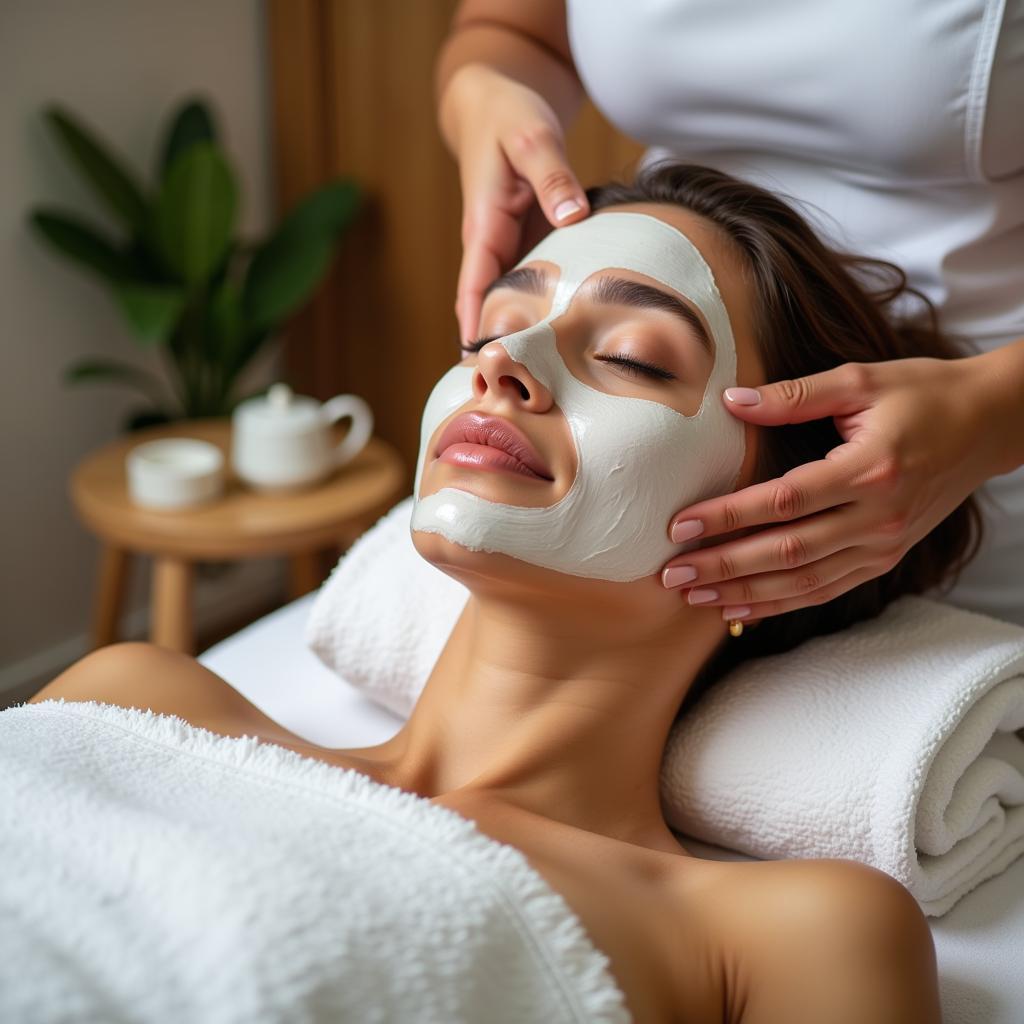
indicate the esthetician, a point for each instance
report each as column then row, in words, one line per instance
column 897, row 131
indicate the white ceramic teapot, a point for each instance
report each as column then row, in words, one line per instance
column 281, row 440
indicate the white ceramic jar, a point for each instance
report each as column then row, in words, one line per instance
column 174, row 472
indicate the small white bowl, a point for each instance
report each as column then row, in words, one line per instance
column 174, row 472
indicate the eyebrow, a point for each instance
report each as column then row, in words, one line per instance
column 620, row 292
column 611, row 291
column 522, row 279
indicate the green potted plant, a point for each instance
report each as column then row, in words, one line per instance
column 185, row 283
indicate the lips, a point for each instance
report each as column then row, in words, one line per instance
column 474, row 428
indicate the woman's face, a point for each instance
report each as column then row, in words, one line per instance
column 604, row 353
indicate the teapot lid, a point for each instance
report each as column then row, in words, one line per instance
column 280, row 411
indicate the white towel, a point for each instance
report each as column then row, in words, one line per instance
column 890, row 743
column 153, row 871
column 383, row 616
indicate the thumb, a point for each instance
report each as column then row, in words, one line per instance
column 539, row 157
column 834, row 392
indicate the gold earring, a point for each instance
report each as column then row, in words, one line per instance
column 735, row 627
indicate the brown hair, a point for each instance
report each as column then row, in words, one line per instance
column 815, row 308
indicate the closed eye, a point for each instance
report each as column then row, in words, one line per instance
column 475, row 346
column 632, row 366
column 636, row 368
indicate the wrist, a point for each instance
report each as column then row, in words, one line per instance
column 500, row 55
column 999, row 377
column 466, row 84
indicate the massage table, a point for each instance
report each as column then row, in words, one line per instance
column 979, row 943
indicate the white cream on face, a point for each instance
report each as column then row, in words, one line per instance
column 639, row 461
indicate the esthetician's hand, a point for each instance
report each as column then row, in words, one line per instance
column 515, row 178
column 920, row 435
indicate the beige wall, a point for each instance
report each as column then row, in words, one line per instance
column 120, row 65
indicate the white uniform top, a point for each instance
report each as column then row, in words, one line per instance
column 899, row 129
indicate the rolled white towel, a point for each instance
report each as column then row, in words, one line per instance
column 890, row 743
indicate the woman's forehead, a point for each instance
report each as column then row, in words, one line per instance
column 632, row 238
column 631, row 241
column 667, row 243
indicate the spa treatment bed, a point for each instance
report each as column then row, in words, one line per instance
column 979, row 943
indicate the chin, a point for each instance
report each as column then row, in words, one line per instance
column 478, row 570
column 489, row 573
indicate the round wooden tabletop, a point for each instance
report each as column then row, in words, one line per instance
column 242, row 522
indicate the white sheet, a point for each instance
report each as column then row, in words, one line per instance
column 979, row 943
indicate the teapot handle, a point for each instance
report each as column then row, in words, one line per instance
column 359, row 433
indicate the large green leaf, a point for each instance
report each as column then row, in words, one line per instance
column 82, row 243
column 112, row 182
column 153, row 310
column 191, row 124
column 195, row 212
column 101, row 370
column 282, row 275
column 249, row 345
column 287, row 268
column 330, row 208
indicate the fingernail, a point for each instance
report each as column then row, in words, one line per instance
column 676, row 574
column 700, row 596
column 566, row 208
column 743, row 396
column 741, row 611
column 686, row 530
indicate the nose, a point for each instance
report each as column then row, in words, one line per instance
column 499, row 376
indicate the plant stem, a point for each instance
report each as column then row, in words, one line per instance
column 174, row 373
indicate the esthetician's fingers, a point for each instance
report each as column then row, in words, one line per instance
column 842, row 393
column 753, row 615
column 762, row 588
column 535, row 171
column 536, row 152
column 489, row 246
column 910, row 456
column 839, row 391
column 792, row 546
column 495, row 202
column 803, row 490
column 511, row 154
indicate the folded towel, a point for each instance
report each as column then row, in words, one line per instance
column 154, row 871
column 383, row 616
column 890, row 743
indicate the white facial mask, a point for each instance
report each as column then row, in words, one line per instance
column 639, row 462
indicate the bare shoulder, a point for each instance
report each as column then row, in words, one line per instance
column 813, row 940
column 144, row 676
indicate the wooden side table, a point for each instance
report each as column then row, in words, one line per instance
column 241, row 524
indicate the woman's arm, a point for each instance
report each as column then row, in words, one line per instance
column 527, row 42
column 1002, row 370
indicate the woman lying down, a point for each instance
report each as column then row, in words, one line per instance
column 504, row 857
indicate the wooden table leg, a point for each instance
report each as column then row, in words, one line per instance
column 114, row 563
column 305, row 573
column 171, row 604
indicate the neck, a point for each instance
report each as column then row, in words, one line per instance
column 564, row 711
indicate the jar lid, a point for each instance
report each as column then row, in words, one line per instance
column 280, row 411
